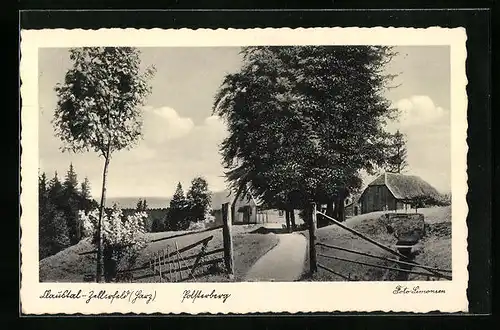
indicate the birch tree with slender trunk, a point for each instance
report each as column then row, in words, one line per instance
column 99, row 108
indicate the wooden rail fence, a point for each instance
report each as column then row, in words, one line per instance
column 403, row 265
column 172, row 265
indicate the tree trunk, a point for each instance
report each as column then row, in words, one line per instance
column 110, row 265
column 292, row 219
column 341, row 209
column 99, row 269
column 313, row 265
column 335, row 211
column 287, row 217
column 227, row 239
column 329, row 208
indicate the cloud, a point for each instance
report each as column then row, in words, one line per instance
column 153, row 169
column 427, row 130
column 136, row 154
column 213, row 128
column 164, row 123
column 419, row 110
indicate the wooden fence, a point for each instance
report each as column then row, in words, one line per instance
column 174, row 264
column 403, row 266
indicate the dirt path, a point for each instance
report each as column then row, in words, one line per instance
column 283, row 263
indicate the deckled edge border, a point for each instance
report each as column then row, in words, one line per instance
column 254, row 30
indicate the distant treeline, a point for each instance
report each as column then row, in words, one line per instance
column 183, row 211
column 155, row 220
column 60, row 202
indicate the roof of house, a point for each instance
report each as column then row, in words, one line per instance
column 249, row 196
column 258, row 201
column 405, row 186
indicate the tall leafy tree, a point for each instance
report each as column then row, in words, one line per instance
column 397, row 153
column 177, row 217
column 199, row 198
column 99, row 108
column 304, row 121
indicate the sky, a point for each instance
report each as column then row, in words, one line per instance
column 181, row 137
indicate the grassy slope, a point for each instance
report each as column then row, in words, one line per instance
column 69, row 266
column 436, row 246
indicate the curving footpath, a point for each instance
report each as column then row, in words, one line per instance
column 283, row 263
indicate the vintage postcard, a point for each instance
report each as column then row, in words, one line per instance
column 243, row 171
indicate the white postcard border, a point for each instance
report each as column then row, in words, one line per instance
column 245, row 297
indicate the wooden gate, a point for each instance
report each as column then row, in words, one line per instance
column 404, row 264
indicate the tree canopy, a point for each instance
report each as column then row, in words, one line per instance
column 98, row 105
column 304, row 121
column 199, row 198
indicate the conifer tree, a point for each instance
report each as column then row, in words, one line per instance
column 71, row 180
column 43, row 216
column 42, row 186
column 397, row 153
column 53, row 229
column 72, row 204
column 177, row 218
column 86, row 201
column 138, row 207
column 55, row 191
column 59, row 233
column 85, row 189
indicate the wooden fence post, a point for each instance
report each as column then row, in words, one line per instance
column 228, row 241
column 312, row 240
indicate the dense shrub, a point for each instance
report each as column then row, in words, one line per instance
column 123, row 237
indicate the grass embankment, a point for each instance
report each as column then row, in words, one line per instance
column 70, row 266
column 435, row 247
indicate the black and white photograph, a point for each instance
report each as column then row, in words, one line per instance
column 252, row 163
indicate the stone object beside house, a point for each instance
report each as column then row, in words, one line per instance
column 407, row 228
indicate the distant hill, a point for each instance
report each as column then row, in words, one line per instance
column 218, row 198
column 131, row 202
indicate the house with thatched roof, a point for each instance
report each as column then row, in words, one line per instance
column 393, row 191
